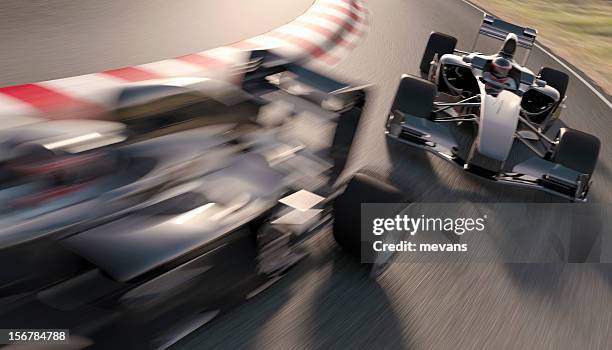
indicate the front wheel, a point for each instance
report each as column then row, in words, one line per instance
column 577, row 150
column 415, row 97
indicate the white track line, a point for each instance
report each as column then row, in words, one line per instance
column 560, row 62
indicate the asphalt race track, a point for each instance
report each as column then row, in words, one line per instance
column 328, row 301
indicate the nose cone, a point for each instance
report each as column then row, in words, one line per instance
column 498, row 121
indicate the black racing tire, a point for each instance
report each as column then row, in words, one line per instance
column 557, row 79
column 440, row 44
column 361, row 188
column 577, row 150
column 415, row 97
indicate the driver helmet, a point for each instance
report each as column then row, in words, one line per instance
column 500, row 67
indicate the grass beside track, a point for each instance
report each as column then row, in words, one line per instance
column 580, row 31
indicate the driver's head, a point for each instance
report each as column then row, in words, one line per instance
column 500, row 67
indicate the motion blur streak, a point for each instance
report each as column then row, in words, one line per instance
column 47, row 101
column 88, row 96
column 131, row 74
column 173, row 213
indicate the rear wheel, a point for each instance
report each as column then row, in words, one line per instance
column 362, row 188
column 440, row 44
column 577, row 150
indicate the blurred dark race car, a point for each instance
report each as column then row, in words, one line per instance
column 198, row 199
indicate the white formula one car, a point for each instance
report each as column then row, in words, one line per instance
column 472, row 107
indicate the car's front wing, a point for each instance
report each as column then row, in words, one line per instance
column 534, row 172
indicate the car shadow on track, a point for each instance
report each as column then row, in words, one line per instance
column 414, row 172
column 353, row 311
column 326, row 301
column 606, row 271
column 240, row 327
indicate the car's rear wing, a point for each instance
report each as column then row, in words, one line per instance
column 265, row 67
column 338, row 102
column 498, row 29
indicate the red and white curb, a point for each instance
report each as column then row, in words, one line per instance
column 320, row 37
